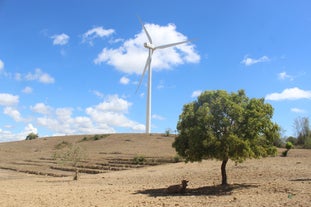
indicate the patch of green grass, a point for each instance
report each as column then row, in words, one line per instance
column 95, row 137
column 62, row 145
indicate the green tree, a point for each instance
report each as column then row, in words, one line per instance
column 224, row 126
column 303, row 131
column 31, row 136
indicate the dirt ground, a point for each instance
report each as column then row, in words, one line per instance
column 273, row 181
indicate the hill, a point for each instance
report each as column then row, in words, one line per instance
column 135, row 170
column 101, row 153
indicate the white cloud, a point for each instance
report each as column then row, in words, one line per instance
column 284, row 75
column 112, row 112
column 114, row 103
column 8, row 99
column 289, row 94
column 196, row 93
column 124, row 80
column 96, row 32
column 6, row 135
column 41, row 108
column 1, row 65
column 297, row 110
column 13, row 113
column 101, row 118
column 27, row 90
column 131, row 56
column 30, row 129
column 60, row 39
column 40, row 76
column 250, row 61
column 98, row 93
column 158, row 117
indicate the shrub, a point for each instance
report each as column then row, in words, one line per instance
column 32, row 136
column 139, row 160
column 289, row 145
column 94, row 138
column 62, row 145
column 167, row 132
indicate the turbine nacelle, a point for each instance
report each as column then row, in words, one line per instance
column 149, row 46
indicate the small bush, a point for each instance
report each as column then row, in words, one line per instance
column 62, row 145
column 289, row 145
column 167, row 132
column 32, row 136
column 139, row 160
column 177, row 158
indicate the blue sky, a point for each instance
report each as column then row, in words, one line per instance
column 72, row 67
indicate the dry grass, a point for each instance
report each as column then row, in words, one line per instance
column 110, row 178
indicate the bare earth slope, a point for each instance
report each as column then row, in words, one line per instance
column 274, row 181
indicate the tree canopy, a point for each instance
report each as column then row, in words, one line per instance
column 221, row 125
column 32, row 136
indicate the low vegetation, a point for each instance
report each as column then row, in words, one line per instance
column 94, row 138
column 288, row 146
column 139, row 160
column 70, row 155
column 32, row 136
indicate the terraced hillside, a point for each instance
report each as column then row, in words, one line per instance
column 99, row 153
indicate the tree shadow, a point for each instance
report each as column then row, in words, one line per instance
column 217, row 190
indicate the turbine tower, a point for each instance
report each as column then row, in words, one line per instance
column 149, row 45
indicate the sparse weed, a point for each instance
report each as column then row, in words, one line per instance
column 94, row 138
column 139, row 160
column 62, row 145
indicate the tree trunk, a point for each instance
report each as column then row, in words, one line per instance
column 223, row 172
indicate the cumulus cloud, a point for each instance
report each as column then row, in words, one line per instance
column 131, row 56
column 124, row 80
column 13, row 113
column 96, row 32
column 41, row 108
column 196, row 93
column 27, row 90
column 7, row 135
column 30, row 129
column 247, row 61
column 8, row 99
column 1, row 65
column 60, row 39
column 40, row 76
column 112, row 112
column 101, row 118
column 289, row 94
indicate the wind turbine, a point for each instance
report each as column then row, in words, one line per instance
column 149, row 45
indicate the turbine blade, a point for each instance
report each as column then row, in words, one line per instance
column 171, row 45
column 147, row 65
column 142, row 24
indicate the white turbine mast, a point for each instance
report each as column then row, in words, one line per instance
column 149, row 45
